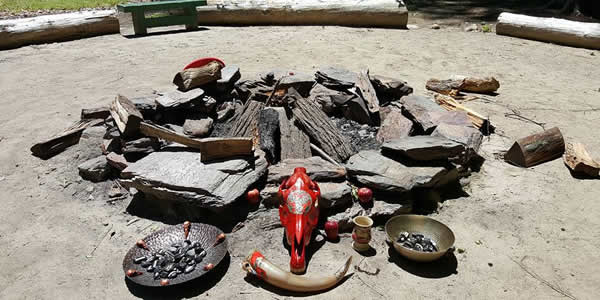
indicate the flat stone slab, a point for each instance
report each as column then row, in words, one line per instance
column 181, row 176
column 176, row 98
column 424, row 147
column 333, row 194
column 317, row 168
column 423, row 111
column 379, row 172
column 95, row 169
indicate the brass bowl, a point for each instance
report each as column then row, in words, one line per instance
column 438, row 232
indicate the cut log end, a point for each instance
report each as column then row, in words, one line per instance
column 536, row 149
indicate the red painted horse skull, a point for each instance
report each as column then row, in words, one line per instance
column 299, row 214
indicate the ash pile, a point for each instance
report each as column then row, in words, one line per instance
column 206, row 143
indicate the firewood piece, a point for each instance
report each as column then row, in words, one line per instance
column 394, row 124
column 368, row 91
column 292, row 141
column 126, row 116
column 62, row 141
column 449, row 103
column 176, row 98
column 446, row 86
column 211, row 148
column 537, row 148
column 579, row 160
column 315, row 123
column 95, row 113
column 565, row 32
column 246, row 124
column 195, row 77
column 268, row 125
column 485, row 85
column 389, row 89
column 423, row 111
column 117, row 161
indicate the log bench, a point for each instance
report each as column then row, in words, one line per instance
column 141, row 23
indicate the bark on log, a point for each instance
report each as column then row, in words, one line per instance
column 56, row 28
column 446, row 87
column 579, row 160
column 355, row 13
column 95, row 113
column 485, row 85
column 368, row 91
column 195, row 77
column 126, row 116
column 246, row 124
column 452, row 87
column 211, row 148
column 536, row 149
column 293, row 143
column 559, row 31
column 315, row 123
column 62, row 141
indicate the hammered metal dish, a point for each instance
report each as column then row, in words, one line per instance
column 437, row 231
column 205, row 234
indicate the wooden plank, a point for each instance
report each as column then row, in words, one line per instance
column 477, row 119
column 63, row 140
column 315, row 123
column 126, row 116
column 368, row 91
column 537, row 148
column 559, row 31
column 580, row 161
column 211, row 148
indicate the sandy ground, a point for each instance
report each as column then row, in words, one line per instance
column 527, row 233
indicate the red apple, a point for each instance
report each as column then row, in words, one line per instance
column 365, row 195
column 253, row 196
column 331, row 229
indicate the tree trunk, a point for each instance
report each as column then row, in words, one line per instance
column 571, row 33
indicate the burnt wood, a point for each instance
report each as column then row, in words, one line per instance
column 537, row 148
column 315, row 123
column 268, row 126
column 246, row 124
column 293, row 143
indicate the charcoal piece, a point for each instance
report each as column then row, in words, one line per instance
column 268, row 132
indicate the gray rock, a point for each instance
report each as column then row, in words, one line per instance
column 394, row 124
column 198, row 128
column 336, row 77
column 181, row 176
column 176, row 98
column 390, row 89
column 468, row 136
column 324, row 96
column 378, row 172
column 225, row 111
column 229, row 76
column 143, row 145
column 146, row 105
column 300, row 81
column 95, row 169
column 423, row 111
column 380, row 210
column 334, row 194
column 424, row 147
column 435, row 26
column 317, row 168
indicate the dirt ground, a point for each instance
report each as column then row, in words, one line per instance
column 526, row 233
